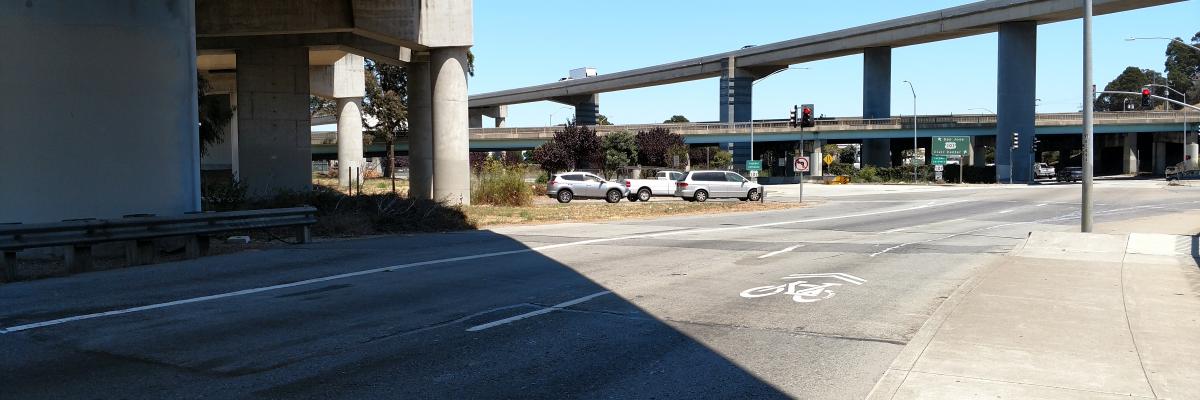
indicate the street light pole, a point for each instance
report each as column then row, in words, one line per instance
column 1085, row 219
column 1163, row 38
column 914, row 150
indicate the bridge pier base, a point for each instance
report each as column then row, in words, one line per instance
column 274, row 138
column 1129, row 159
column 451, row 147
column 420, row 129
column 1015, row 96
column 877, row 102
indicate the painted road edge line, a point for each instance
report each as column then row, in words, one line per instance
column 392, row 268
column 555, row 307
column 775, row 253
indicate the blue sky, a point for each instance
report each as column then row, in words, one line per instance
column 527, row 42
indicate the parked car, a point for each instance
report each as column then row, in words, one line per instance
column 1174, row 175
column 704, row 185
column 1070, row 174
column 1043, row 170
column 663, row 184
column 570, row 185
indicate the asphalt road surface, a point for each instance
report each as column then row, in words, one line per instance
column 804, row 303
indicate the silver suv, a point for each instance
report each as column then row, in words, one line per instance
column 570, row 185
column 704, row 185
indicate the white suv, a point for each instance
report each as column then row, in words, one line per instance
column 704, row 185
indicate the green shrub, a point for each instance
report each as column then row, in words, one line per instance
column 223, row 195
column 339, row 214
column 866, row 174
column 502, row 186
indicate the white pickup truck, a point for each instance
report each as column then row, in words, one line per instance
column 663, row 184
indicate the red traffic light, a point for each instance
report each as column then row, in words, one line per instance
column 1145, row 92
column 807, row 111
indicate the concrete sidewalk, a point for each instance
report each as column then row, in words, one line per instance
column 1067, row 316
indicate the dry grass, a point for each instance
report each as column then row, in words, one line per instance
column 486, row 216
column 369, row 185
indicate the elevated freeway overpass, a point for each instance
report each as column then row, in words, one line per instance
column 1141, row 135
column 1015, row 21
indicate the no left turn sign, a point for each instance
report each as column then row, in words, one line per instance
column 801, row 164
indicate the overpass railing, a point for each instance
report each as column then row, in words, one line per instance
column 825, row 125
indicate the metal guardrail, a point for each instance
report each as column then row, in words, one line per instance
column 823, row 125
column 78, row 236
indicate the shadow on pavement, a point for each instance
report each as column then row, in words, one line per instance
column 405, row 333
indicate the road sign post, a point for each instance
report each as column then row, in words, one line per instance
column 754, row 165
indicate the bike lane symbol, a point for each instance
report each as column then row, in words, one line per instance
column 802, row 289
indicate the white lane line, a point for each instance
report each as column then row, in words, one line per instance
column 244, row 292
column 555, row 307
column 1041, row 205
column 1005, row 212
column 775, row 253
column 897, row 230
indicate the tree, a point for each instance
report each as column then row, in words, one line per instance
column 386, row 101
column 1130, row 80
column 654, row 144
column 721, row 160
column 214, row 116
column 582, row 145
column 321, row 107
column 677, row 119
column 1183, row 69
column 620, row 149
column 552, row 157
column 601, row 119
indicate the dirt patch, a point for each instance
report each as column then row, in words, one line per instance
column 551, row 213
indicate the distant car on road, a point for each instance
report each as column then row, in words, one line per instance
column 570, row 185
column 704, row 185
column 1043, row 170
column 663, row 184
column 1070, row 174
column 1176, row 175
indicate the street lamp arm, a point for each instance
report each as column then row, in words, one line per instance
column 1178, row 103
column 1164, row 38
column 1168, row 88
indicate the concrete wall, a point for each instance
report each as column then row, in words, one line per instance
column 98, row 112
column 274, row 137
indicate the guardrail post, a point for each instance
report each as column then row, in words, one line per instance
column 9, row 265
column 78, row 258
column 197, row 246
column 303, row 234
column 140, row 252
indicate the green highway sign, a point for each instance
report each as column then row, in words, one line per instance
column 939, row 160
column 951, row 145
column 754, row 165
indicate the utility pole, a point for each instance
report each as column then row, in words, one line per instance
column 914, row 150
column 1085, row 218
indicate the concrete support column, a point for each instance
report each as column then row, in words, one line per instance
column 877, row 101
column 98, row 114
column 1129, row 159
column 420, row 130
column 349, row 139
column 1160, row 155
column 587, row 111
column 451, row 151
column 274, row 138
column 476, row 117
column 1015, row 96
column 736, row 90
column 815, row 164
column 1191, row 152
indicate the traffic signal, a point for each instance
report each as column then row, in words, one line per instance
column 1146, row 99
column 1016, row 140
column 1036, row 142
column 806, row 116
column 792, row 122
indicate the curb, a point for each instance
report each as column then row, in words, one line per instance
column 895, row 375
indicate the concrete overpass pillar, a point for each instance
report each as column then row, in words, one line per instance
column 587, row 111
column 737, row 87
column 98, row 115
column 1160, row 155
column 1192, row 149
column 274, row 138
column 451, row 151
column 498, row 113
column 420, row 130
column 350, row 139
column 877, row 101
column 814, row 161
column 1015, row 95
column 1129, row 159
